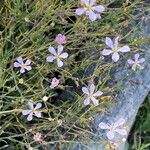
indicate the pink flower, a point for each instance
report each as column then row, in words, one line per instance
column 60, row 39
column 37, row 137
column 98, row 16
column 58, row 55
column 32, row 111
column 23, row 66
column 135, row 63
column 54, row 83
column 91, row 94
column 114, row 128
column 90, row 9
column 114, row 49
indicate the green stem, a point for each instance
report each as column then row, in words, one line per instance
column 10, row 111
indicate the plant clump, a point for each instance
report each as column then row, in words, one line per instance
column 54, row 73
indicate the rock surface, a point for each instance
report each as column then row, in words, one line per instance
column 136, row 87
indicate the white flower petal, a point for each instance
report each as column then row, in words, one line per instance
column 136, row 56
column 98, row 93
column 59, row 63
column 109, row 42
column 30, row 103
column 134, row 67
column 86, row 101
column 110, row 135
column 130, row 61
column 52, row 50
column 99, row 8
column 141, row 60
column 124, row 49
column 86, row 2
column 103, row 125
column 60, row 49
column 115, row 57
column 119, row 122
column 22, row 70
column 64, row 55
column 106, row 52
column 16, row 64
column 28, row 62
column 80, row 11
column 38, row 105
column 121, row 131
column 26, row 112
column 38, row 114
column 91, row 14
column 95, row 101
column 50, row 58
column 116, row 42
column 92, row 2
column 141, row 67
column 30, row 116
column 28, row 68
column 92, row 88
column 85, row 90
column 20, row 60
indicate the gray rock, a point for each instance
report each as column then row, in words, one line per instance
column 136, row 87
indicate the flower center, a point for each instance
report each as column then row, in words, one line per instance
column 23, row 65
column 33, row 110
column 61, row 39
column 90, row 95
column 136, row 62
column 112, row 128
column 114, row 49
column 57, row 56
column 89, row 7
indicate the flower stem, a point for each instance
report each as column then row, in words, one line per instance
column 10, row 111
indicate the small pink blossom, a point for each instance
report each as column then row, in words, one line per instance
column 60, row 39
column 113, row 128
column 98, row 16
column 135, row 63
column 23, row 66
column 90, row 9
column 38, row 137
column 58, row 55
column 32, row 111
column 91, row 94
column 54, row 83
column 114, row 49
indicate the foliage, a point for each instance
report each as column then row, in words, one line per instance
column 27, row 29
column 140, row 137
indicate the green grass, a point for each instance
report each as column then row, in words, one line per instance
column 140, row 134
column 27, row 29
